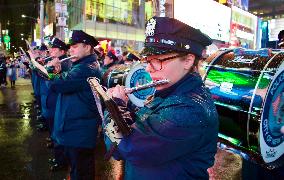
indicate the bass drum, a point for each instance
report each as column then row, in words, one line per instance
column 130, row 76
column 248, row 89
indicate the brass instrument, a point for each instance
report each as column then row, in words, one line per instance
column 111, row 106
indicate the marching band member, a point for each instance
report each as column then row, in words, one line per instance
column 76, row 115
column 109, row 61
column 174, row 136
column 58, row 50
column 39, row 53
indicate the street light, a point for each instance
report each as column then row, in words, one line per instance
column 25, row 16
column 32, row 25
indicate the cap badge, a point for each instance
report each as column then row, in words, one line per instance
column 150, row 28
column 187, row 46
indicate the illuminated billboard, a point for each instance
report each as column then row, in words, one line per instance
column 112, row 10
column 243, row 28
column 274, row 27
column 209, row 16
column 243, row 4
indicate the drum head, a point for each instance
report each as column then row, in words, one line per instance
column 138, row 76
column 272, row 120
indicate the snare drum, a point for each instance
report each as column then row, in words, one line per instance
column 248, row 89
column 130, row 76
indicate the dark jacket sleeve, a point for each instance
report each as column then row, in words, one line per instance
column 73, row 81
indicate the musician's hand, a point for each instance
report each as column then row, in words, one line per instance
column 57, row 68
column 40, row 61
column 118, row 92
column 54, row 62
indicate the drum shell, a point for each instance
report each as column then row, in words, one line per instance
column 240, row 103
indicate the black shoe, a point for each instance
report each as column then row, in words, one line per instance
column 48, row 139
column 57, row 167
column 40, row 118
column 41, row 127
column 52, row 161
column 49, row 145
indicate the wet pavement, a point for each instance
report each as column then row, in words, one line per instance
column 23, row 152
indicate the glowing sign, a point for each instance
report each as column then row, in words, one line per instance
column 208, row 20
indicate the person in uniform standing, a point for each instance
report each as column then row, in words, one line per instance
column 58, row 50
column 76, row 115
column 109, row 61
column 174, row 136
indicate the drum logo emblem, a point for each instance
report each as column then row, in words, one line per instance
column 273, row 114
column 140, row 77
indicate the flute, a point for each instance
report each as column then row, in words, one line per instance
column 71, row 57
column 146, row 86
column 45, row 58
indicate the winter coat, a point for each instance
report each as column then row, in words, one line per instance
column 76, row 114
column 174, row 136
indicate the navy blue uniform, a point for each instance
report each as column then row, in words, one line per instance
column 76, row 115
column 174, row 136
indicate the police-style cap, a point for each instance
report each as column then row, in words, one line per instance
column 42, row 47
column 57, row 43
column 112, row 55
column 281, row 38
column 132, row 57
column 79, row 36
column 165, row 35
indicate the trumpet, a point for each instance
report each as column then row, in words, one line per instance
column 146, row 86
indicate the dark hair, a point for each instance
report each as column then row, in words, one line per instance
column 281, row 35
column 124, row 53
column 195, row 62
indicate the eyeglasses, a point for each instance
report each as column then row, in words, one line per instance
column 157, row 63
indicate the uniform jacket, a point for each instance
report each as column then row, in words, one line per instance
column 76, row 115
column 49, row 97
column 174, row 136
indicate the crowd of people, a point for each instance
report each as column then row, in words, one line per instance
column 173, row 136
column 11, row 69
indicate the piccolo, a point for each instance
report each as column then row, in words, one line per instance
column 71, row 57
column 45, row 58
column 146, row 86
column 61, row 60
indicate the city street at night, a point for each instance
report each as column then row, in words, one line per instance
column 141, row 89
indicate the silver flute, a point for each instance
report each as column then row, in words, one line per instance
column 71, row 57
column 61, row 60
column 45, row 58
column 146, row 86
